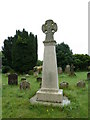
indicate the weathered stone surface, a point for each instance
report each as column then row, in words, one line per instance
column 49, row 28
column 13, row 79
column 24, row 85
column 88, row 76
column 81, row 84
column 56, row 97
column 64, row 84
column 64, row 102
column 49, row 90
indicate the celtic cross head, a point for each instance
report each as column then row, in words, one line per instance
column 49, row 28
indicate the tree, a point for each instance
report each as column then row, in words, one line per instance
column 81, row 61
column 6, row 51
column 22, row 51
column 64, row 55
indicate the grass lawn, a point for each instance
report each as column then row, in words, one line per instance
column 0, row 96
column 15, row 102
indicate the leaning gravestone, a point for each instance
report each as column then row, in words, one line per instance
column 13, row 79
column 67, row 69
column 88, row 76
column 24, row 84
column 49, row 91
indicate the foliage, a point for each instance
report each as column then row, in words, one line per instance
column 6, row 50
column 81, row 61
column 30, row 72
column 64, row 55
column 20, row 51
column 39, row 63
column 16, row 102
column 5, row 69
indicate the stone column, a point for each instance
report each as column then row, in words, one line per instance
column 50, row 90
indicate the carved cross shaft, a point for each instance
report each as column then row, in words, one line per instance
column 49, row 28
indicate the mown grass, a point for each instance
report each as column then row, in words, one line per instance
column 16, row 102
column 0, row 95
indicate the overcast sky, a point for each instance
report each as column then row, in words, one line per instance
column 71, row 17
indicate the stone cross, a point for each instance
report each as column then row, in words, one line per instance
column 49, row 28
column 49, row 91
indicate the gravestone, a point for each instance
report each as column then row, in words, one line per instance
column 13, row 79
column 67, row 69
column 49, row 91
column 64, row 84
column 36, row 74
column 72, row 70
column 24, row 85
column 88, row 76
column 81, row 84
column 60, row 70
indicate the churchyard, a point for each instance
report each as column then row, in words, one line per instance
column 16, row 102
column 47, row 91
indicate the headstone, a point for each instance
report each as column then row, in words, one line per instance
column 13, row 79
column 67, row 69
column 64, row 84
column 60, row 70
column 38, row 69
column 81, row 84
column 88, row 76
column 39, row 79
column 72, row 70
column 24, row 85
column 36, row 74
column 49, row 91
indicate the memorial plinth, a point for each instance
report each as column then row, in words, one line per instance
column 49, row 91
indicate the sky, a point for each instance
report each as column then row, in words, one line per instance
column 71, row 17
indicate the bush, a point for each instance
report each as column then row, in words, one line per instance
column 39, row 63
column 5, row 69
column 30, row 72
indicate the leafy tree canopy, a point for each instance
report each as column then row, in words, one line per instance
column 64, row 55
column 20, row 51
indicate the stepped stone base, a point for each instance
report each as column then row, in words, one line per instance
column 34, row 101
column 50, row 96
